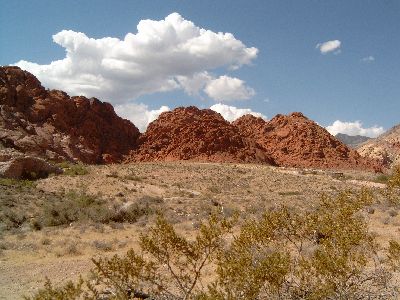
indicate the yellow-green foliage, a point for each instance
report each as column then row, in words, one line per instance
column 68, row 291
column 325, row 253
column 394, row 180
column 73, row 169
column 392, row 193
column 20, row 183
column 288, row 254
column 394, row 254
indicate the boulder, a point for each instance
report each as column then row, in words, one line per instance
column 16, row 165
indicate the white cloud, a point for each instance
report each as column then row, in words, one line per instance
column 354, row 128
column 193, row 84
column 329, row 46
column 227, row 88
column 231, row 113
column 139, row 114
column 162, row 56
column 368, row 59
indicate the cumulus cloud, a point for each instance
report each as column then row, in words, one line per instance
column 368, row 59
column 227, row 88
column 163, row 55
column 139, row 114
column 231, row 113
column 354, row 128
column 329, row 46
column 192, row 85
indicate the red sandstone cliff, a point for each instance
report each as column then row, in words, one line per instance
column 53, row 125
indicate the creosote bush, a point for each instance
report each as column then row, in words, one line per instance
column 324, row 253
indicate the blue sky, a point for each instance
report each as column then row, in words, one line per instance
column 287, row 74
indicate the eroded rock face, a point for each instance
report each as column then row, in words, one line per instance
column 193, row 134
column 296, row 141
column 385, row 148
column 16, row 165
column 52, row 125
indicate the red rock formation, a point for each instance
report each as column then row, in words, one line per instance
column 193, row 134
column 53, row 125
column 296, row 141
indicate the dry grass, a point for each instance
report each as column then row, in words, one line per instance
column 186, row 193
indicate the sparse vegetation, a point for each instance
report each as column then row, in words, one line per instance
column 382, row 178
column 290, row 193
column 17, row 183
column 325, row 253
column 186, row 202
column 392, row 193
column 80, row 207
column 49, row 210
column 72, row 169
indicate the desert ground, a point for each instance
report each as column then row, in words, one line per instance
column 184, row 192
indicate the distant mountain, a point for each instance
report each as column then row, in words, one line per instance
column 385, row 147
column 353, row 141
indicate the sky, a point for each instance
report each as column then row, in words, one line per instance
column 337, row 62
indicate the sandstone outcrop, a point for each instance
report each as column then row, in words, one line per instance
column 16, row 165
column 196, row 134
column 296, row 141
column 53, row 125
column 385, row 148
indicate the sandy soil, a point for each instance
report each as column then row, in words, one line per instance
column 189, row 192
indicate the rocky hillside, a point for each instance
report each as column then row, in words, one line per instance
column 55, row 126
column 52, row 125
column 196, row 134
column 353, row 141
column 296, row 141
column 386, row 147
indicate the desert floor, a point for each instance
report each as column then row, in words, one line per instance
column 186, row 193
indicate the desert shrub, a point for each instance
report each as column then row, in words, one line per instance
column 19, row 183
column 382, row 178
column 72, row 169
column 66, row 292
column 394, row 255
column 102, row 245
column 12, row 218
column 131, row 214
column 81, row 207
column 394, row 179
column 392, row 193
column 324, row 253
column 321, row 255
column 144, row 206
column 74, row 207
